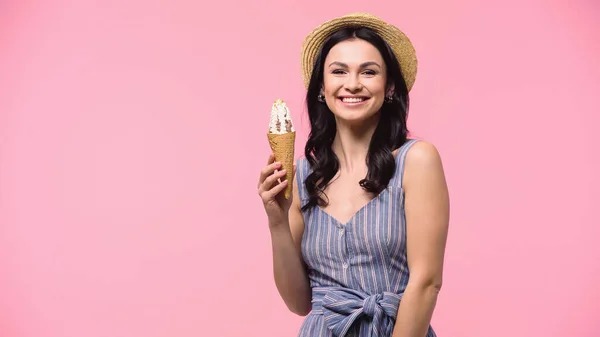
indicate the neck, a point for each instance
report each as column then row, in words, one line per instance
column 351, row 143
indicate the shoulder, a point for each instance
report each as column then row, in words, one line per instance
column 423, row 153
column 423, row 161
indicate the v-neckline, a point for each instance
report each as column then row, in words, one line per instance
column 355, row 214
column 368, row 203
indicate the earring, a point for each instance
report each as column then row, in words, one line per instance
column 321, row 98
column 389, row 99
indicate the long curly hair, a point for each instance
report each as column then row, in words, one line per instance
column 390, row 133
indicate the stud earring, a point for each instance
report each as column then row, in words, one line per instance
column 321, row 98
column 389, row 99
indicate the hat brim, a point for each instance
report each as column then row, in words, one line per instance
column 399, row 43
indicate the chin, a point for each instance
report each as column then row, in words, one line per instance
column 355, row 117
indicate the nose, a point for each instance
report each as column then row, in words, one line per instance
column 353, row 84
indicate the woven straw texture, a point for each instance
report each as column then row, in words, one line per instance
column 398, row 41
column 282, row 146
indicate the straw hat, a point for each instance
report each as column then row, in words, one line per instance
column 400, row 44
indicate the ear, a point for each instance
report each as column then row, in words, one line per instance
column 391, row 90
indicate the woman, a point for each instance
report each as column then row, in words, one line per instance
column 359, row 247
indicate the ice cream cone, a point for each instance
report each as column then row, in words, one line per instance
column 282, row 146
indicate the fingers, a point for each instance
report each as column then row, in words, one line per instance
column 273, row 192
column 271, row 159
column 271, row 180
column 268, row 170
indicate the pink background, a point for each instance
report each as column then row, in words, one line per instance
column 128, row 202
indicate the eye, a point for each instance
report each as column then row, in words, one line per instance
column 370, row 72
column 338, row 72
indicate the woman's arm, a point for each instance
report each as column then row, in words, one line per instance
column 426, row 205
column 289, row 270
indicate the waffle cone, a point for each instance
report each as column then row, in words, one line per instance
column 282, row 146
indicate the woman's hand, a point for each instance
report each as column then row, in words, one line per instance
column 271, row 186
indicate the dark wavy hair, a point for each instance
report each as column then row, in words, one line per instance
column 390, row 133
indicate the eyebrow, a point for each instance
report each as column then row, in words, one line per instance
column 363, row 65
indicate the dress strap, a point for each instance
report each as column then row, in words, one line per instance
column 301, row 174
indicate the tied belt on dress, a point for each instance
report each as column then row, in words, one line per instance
column 341, row 307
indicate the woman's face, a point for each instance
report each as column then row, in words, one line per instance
column 354, row 83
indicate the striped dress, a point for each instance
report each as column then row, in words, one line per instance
column 358, row 270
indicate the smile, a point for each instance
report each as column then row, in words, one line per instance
column 353, row 100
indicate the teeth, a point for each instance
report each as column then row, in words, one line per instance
column 352, row 99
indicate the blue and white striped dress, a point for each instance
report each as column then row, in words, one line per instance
column 358, row 270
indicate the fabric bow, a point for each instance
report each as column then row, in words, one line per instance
column 342, row 307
